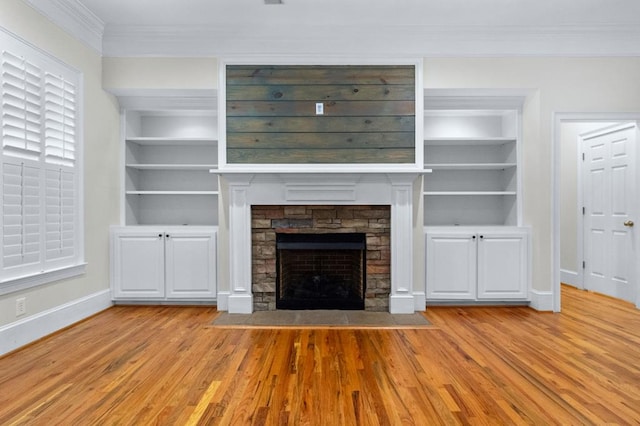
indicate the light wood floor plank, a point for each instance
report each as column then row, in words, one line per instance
column 477, row 365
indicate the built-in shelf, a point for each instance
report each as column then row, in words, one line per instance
column 171, row 141
column 172, row 192
column 470, row 193
column 168, row 156
column 172, row 166
column 471, row 166
column 474, row 158
column 437, row 141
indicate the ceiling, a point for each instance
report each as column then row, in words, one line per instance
column 353, row 27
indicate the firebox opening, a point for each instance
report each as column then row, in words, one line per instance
column 320, row 271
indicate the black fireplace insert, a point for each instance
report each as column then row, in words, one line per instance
column 320, row 271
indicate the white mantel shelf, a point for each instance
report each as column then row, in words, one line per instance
column 393, row 187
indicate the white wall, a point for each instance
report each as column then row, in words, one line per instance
column 558, row 85
column 101, row 156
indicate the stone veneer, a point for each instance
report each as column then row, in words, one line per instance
column 373, row 220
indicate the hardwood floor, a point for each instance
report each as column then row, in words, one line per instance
column 168, row 366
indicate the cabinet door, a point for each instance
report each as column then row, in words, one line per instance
column 451, row 266
column 502, row 266
column 191, row 264
column 138, row 264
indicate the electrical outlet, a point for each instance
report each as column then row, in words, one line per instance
column 319, row 108
column 21, row 306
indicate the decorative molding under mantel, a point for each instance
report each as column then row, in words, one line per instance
column 75, row 18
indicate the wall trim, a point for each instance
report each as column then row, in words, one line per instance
column 73, row 17
column 30, row 329
column 541, row 300
column 443, row 41
column 571, row 278
column 420, row 301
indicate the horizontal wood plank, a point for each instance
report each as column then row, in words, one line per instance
column 320, row 124
column 340, row 75
column 321, row 140
column 308, row 108
column 272, row 110
column 320, row 156
column 354, row 92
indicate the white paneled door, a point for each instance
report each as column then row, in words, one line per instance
column 611, row 208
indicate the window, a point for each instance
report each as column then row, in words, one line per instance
column 41, row 230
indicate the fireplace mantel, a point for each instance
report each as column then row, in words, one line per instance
column 383, row 188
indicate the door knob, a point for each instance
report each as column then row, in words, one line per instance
column 628, row 223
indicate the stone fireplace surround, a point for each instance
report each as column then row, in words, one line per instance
column 393, row 189
column 374, row 221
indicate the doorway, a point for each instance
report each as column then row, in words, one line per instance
column 571, row 246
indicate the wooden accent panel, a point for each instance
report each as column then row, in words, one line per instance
column 162, row 365
column 369, row 114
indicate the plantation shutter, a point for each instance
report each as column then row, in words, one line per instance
column 21, row 149
column 60, row 139
column 21, row 108
column 41, row 203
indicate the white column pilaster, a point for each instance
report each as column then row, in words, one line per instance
column 401, row 300
column 240, row 300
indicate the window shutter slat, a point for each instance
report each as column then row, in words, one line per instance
column 20, row 214
column 59, row 223
column 60, row 123
column 21, row 107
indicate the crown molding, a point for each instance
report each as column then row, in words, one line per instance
column 424, row 41
column 74, row 18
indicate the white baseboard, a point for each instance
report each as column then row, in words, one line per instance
column 420, row 301
column 570, row 277
column 30, row 329
column 401, row 304
column 223, row 300
column 541, row 300
column 240, row 303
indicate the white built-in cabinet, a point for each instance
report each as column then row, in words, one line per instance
column 165, row 249
column 476, row 248
column 477, row 264
column 163, row 263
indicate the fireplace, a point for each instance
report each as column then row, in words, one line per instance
column 320, row 271
column 262, row 205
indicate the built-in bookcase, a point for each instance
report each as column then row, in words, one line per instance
column 169, row 156
column 473, row 155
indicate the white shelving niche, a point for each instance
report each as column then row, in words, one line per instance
column 473, row 154
column 477, row 250
column 168, row 156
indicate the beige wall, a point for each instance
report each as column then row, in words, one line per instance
column 555, row 84
column 101, row 167
column 559, row 85
column 124, row 75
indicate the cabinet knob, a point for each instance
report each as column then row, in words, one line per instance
column 481, row 237
column 628, row 223
column 160, row 235
column 473, row 238
column 167, row 235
